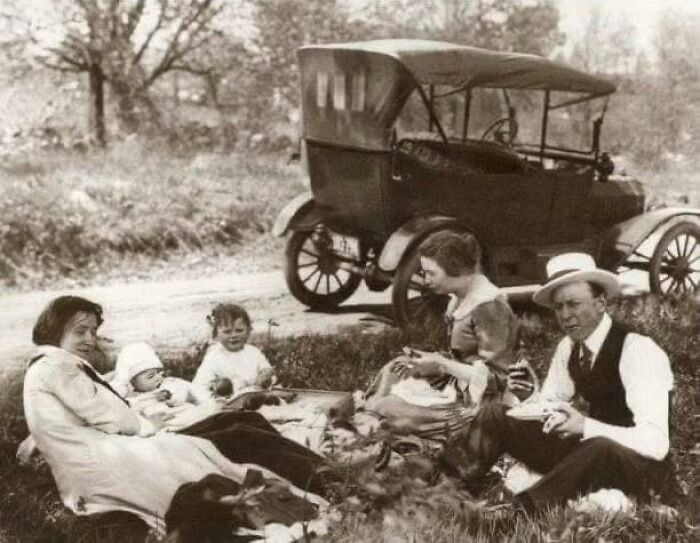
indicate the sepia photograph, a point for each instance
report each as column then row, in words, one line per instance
column 349, row 271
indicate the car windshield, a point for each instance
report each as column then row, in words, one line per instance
column 568, row 127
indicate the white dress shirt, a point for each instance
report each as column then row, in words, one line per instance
column 646, row 376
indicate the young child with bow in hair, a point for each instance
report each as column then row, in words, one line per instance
column 231, row 365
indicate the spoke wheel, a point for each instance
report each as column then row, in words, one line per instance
column 414, row 304
column 314, row 275
column 675, row 264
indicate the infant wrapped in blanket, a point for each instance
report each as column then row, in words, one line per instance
column 139, row 377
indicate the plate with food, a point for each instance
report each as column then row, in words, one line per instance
column 533, row 410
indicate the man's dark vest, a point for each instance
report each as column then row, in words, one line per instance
column 602, row 386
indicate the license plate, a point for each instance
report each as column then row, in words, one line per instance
column 346, row 246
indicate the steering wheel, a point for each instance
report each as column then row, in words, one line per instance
column 503, row 131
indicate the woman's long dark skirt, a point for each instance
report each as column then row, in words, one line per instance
column 246, row 437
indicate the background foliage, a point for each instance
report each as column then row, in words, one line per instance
column 228, row 68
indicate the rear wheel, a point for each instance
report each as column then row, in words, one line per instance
column 414, row 304
column 675, row 264
column 313, row 271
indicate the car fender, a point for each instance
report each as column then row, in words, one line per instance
column 620, row 241
column 407, row 235
column 299, row 214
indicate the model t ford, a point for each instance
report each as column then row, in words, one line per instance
column 405, row 138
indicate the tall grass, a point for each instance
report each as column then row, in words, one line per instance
column 393, row 506
column 66, row 214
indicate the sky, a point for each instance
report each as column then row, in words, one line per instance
column 642, row 14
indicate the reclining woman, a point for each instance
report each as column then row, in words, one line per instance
column 482, row 335
column 104, row 456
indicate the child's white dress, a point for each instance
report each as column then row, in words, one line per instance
column 242, row 367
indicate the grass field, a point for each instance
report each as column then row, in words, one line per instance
column 395, row 507
column 68, row 216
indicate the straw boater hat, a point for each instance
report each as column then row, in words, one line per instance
column 570, row 267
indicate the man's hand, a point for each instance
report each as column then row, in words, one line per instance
column 565, row 422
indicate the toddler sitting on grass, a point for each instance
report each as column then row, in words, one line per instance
column 139, row 377
column 232, row 366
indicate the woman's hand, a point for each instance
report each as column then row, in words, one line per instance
column 163, row 395
column 159, row 420
column 108, row 348
column 419, row 364
column 522, row 380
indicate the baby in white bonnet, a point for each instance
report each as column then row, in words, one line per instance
column 139, row 377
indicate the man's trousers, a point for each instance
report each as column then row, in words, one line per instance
column 571, row 467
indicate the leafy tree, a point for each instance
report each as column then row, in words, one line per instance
column 281, row 28
column 652, row 116
column 504, row 25
column 126, row 44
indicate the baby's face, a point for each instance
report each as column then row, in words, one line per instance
column 147, row 380
column 233, row 335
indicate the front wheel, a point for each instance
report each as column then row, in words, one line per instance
column 675, row 264
column 313, row 272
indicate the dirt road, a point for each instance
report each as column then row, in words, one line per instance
column 171, row 314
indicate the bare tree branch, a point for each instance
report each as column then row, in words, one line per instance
column 158, row 25
column 134, row 17
column 59, row 67
column 195, row 23
column 67, row 59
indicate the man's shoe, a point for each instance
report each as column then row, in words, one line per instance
column 519, row 505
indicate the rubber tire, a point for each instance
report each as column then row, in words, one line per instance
column 399, row 293
column 297, row 287
column 679, row 229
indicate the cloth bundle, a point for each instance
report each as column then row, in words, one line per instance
column 216, row 507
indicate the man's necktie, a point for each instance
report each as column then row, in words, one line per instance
column 584, row 356
column 92, row 374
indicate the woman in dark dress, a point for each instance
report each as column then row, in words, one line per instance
column 482, row 336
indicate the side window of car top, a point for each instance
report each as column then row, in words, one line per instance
column 322, row 89
column 355, row 101
column 359, row 84
column 339, row 96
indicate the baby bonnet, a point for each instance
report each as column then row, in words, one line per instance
column 132, row 360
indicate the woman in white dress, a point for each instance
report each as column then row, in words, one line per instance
column 103, row 455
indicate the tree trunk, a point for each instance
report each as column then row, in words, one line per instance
column 97, row 103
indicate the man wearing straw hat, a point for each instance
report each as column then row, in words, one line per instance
column 624, row 377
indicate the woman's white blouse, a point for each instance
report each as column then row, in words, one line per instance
column 90, row 439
